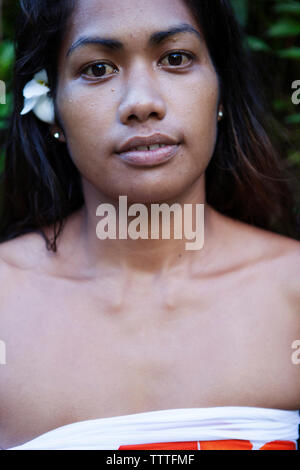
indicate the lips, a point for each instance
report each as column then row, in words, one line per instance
column 146, row 143
column 149, row 158
column 148, row 151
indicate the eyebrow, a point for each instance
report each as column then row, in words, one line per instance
column 113, row 44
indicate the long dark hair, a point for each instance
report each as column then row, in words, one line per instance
column 245, row 179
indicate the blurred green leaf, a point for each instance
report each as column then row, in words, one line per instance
column 284, row 28
column 241, row 10
column 295, row 158
column 7, row 56
column 257, row 44
column 293, row 119
column 2, row 161
column 6, row 109
column 285, row 7
column 291, row 53
column 280, row 104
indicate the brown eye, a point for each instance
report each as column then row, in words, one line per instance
column 99, row 70
column 176, row 59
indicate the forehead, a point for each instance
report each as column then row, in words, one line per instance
column 130, row 20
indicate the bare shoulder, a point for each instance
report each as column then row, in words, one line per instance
column 277, row 253
column 280, row 255
column 282, row 264
column 268, row 269
column 21, row 261
column 24, row 252
column 269, row 262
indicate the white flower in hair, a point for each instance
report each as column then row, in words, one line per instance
column 37, row 99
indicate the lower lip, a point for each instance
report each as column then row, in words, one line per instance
column 149, row 157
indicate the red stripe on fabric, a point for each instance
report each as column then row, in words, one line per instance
column 279, row 445
column 228, row 444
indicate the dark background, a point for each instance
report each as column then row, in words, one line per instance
column 273, row 36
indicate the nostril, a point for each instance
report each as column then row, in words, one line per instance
column 133, row 111
column 134, row 116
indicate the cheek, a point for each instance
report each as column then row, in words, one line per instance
column 203, row 97
column 87, row 116
column 200, row 101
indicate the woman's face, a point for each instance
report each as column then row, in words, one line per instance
column 137, row 84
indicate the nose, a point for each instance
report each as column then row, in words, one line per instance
column 142, row 100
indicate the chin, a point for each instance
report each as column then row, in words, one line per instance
column 158, row 194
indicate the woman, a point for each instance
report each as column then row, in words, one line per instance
column 139, row 342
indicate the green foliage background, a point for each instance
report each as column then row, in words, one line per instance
column 273, row 35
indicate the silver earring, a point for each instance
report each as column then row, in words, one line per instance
column 56, row 135
column 221, row 114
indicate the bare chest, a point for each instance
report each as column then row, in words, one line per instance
column 76, row 354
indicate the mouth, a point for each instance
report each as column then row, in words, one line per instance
column 149, row 156
column 149, row 151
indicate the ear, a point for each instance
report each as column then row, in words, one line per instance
column 57, row 134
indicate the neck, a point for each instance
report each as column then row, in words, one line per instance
column 143, row 256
